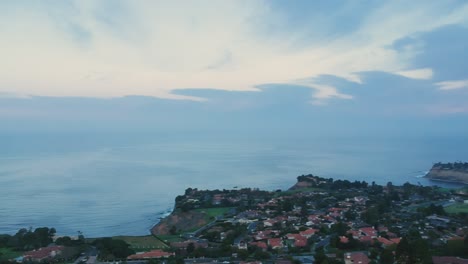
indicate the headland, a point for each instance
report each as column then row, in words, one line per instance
column 456, row 172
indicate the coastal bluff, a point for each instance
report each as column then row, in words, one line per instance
column 179, row 221
column 456, row 172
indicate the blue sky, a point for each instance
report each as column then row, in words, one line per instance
column 382, row 64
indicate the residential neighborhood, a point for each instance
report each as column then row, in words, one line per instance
column 317, row 220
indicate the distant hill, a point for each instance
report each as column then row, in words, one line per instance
column 450, row 172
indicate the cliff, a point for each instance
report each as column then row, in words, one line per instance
column 449, row 172
column 180, row 221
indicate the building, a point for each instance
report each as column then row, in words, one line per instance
column 43, row 254
column 154, row 254
column 356, row 258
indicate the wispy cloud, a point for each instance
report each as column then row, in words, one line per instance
column 452, row 85
column 422, row 74
column 118, row 48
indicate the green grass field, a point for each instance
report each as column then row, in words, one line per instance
column 143, row 243
column 213, row 212
column 6, row 254
column 457, row 208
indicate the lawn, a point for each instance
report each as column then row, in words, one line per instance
column 457, row 208
column 143, row 243
column 211, row 213
column 7, row 253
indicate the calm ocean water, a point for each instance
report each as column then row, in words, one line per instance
column 107, row 185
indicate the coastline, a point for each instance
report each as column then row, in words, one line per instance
column 449, row 172
column 448, row 181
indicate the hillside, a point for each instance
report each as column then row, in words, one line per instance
column 180, row 221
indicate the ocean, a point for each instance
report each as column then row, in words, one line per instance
column 122, row 184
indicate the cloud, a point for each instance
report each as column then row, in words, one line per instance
column 118, row 48
column 422, row 74
column 325, row 92
column 452, row 85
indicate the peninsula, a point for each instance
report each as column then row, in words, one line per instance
column 449, row 172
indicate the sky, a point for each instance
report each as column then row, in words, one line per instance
column 379, row 66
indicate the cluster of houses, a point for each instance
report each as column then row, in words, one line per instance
column 292, row 226
column 273, row 229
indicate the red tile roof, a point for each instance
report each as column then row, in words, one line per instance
column 385, row 241
column 336, row 209
column 260, row 244
column 344, row 239
column 275, row 242
column 300, row 243
column 355, row 233
column 309, row 232
column 43, row 253
column 366, row 239
column 294, row 236
column 151, row 254
column 369, row 231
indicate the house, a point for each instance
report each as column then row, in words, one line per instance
column 308, row 233
column 154, row 254
column 356, row 258
column 269, row 222
column 356, row 234
column 344, row 239
column 263, row 234
column 385, row 242
column 366, row 240
column 240, row 243
column 300, row 242
column 369, row 231
column 43, row 254
column 293, row 236
column 275, row 243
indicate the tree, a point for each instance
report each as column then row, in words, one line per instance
column 371, row 216
column 190, row 248
column 340, row 228
column 44, row 235
column 403, row 251
column 412, row 249
column 387, row 257
column 64, row 241
column 112, row 248
column 320, row 255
